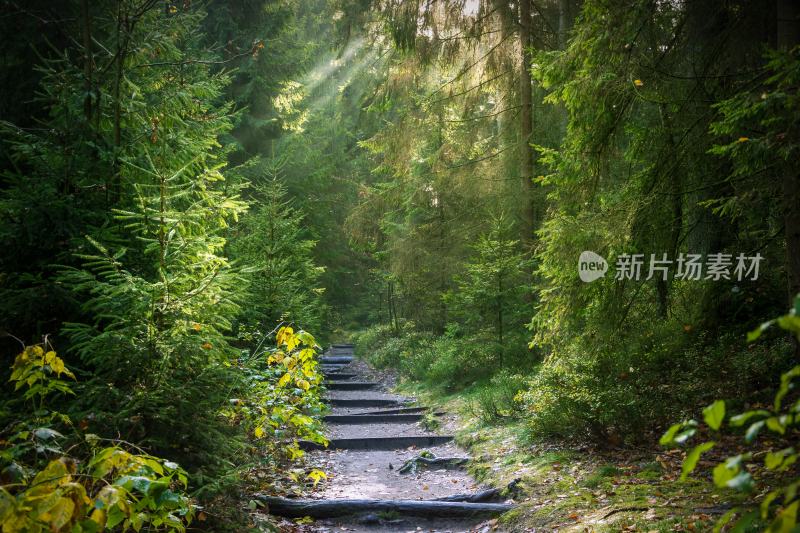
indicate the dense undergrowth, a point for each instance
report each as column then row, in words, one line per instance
column 60, row 474
column 608, row 399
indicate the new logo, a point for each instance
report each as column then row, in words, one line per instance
column 591, row 266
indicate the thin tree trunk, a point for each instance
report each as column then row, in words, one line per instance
column 500, row 316
column 676, row 226
column 87, row 60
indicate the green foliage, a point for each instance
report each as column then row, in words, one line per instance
column 35, row 369
column 282, row 400
column 110, row 489
column 448, row 363
column 282, row 276
column 490, row 296
column 160, row 313
column 498, row 400
column 778, row 507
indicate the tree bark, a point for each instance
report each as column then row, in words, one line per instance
column 122, row 45
column 87, row 60
column 788, row 37
column 526, row 124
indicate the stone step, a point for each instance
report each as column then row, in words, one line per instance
column 336, row 359
column 351, row 385
column 332, row 369
column 398, row 411
column 379, row 443
column 362, row 402
column 372, row 419
column 338, row 375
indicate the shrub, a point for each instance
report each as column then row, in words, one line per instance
column 498, row 400
column 43, row 488
column 777, row 507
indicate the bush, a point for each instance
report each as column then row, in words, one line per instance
column 777, row 507
column 607, row 387
column 498, row 400
column 91, row 486
column 369, row 340
column 447, row 362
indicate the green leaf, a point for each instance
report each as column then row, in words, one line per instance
column 723, row 474
column 741, row 419
column 690, row 463
column 766, row 502
column 756, row 333
column 742, row 482
column 786, row 519
column 753, row 431
column 678, row 433
column 714, row 414
column 742, row 525
column 776, row 424
column 724, row 519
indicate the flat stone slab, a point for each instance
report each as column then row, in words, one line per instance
column 398, row 411
column 378, row 443
column 362, row 402
column 351, row 385
column 336, row 359
column 373, row 419
column 338, row 375
column 376, row 430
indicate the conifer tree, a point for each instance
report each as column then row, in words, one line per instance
column 278, row 254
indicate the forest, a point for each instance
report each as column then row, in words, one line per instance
column 570, row 229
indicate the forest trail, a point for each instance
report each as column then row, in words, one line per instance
column 372, row 434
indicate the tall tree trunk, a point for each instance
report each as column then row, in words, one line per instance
column 124, row 29
column 87, row 60
column 563, row 23
column 788, row 34
column 788, row 37
column 526, row 123
column 673, row 177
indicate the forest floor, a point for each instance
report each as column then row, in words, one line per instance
column 581, row 487
column 574, row 487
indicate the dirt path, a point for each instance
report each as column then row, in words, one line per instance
column 364, row 461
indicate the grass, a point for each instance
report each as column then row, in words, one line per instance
column 568, row 487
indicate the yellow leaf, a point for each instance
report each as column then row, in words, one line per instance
column 316, row 475
column 58, row 366
column 284, row 379
column 283, row 334
column 743, row 139
column 259, row 432
column 303, row 384
column 291, row 343
column 638, row 82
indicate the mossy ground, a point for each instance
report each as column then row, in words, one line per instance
column 579, row 487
